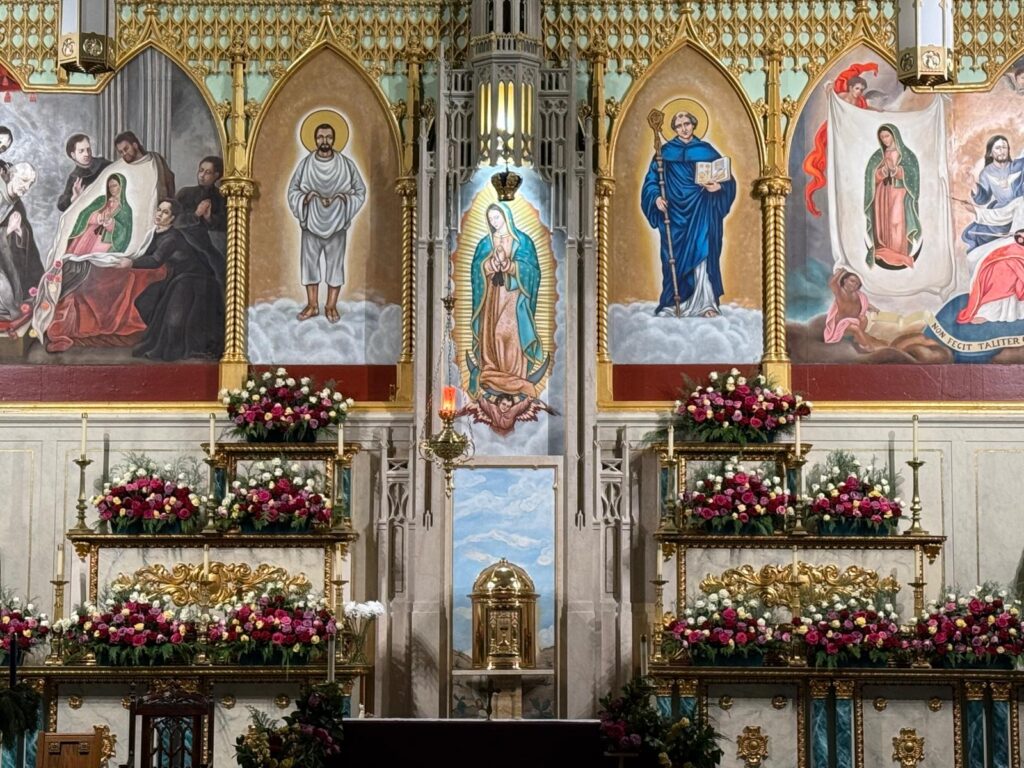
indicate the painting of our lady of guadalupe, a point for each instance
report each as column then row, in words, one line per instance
column 506, row 333
column 107, row 253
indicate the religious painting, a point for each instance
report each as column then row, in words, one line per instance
column 684, row 268
column 326, row 255
column 901, row 227
column 505, row 276
column 503, row 512
column 109, row 252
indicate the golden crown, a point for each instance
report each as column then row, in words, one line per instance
column 506, row 183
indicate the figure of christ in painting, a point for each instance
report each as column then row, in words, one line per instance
column 997, row 286
column 851, row 88
column 184, row 313
column 507, row 362
column 891, row 193
column 997, row 196
column 848, row 315
column 20, row 266
column 696, row 214
column 97, row 303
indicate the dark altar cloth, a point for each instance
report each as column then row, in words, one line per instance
column 388, row 742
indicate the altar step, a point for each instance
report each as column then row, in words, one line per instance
column 495, row 744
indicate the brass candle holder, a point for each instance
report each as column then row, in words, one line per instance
column 56, row 656
column 203, row 623
column 915, row 503
column 81, row 526
column 210, row 529
column 797, row 655
column 796, row 526
column 657, row 626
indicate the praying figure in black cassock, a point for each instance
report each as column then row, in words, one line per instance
column 203, row 205
column 184, row 313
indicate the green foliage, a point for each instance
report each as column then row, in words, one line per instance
column 19, row 712
column 842, row 464
column 308, row 737
column 631, row 724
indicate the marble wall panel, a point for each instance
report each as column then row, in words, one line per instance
column 908, row 707
column 772, row 707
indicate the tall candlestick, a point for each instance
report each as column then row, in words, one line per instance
column 85, row 431
column 60, row 563
column 341, row 440
column 206, row 562
column 914, row 433
column 213, row 445
column 798, row 446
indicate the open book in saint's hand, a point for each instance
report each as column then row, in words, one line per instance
column 716, row 171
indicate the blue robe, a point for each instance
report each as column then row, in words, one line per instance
column 696, row 217
column 524, row 279
column 990, row 195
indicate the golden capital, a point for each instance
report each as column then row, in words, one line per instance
column 974, row 691
column 237, row 186
column 406, row 187
column 605, row 186
column 237, row 51
column 844, row 689
column 1000, row 691
column 773, row 185
column 772, row 52
column 819, row 688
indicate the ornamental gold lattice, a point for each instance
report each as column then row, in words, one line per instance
column 228, row 581
column 774, row 585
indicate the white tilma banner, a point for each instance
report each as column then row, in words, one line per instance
column 889, row 211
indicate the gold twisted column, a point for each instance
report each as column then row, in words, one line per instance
column 604, row 189
column 772, row 188
column 407, row 188
column 239, row 193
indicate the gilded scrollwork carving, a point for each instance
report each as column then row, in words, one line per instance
column 908, row 748
column 775, row 585
column 227, row 581
column 108, row 744
column 752, row 746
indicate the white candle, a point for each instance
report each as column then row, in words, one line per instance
column 331, row 643
column 798, row 447
column 81, row 587
column 85, row 431
column 341, row 440
column 671, row 441
column 643, row 655
column 914, row 433
column 213, row 445
column 206, row 562
column 658, row 564
column 60, row 563
column 795, row 564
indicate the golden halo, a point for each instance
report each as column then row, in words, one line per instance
column 321, row 116
column 683, row 104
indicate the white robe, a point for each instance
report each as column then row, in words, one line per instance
column 326, row 178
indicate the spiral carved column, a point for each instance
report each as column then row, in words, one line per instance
column 603, row 192
column 406, row 187
column 239, row 194
column 772, row 191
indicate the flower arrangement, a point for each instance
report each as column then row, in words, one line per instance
column 630, row 724
column 358, row 617
column 21, row 625
column 274, row 406
column 717, row 628
column 729, row 408
column 850, row 632
column 977, row 629
column 849, row 497
column 736, row 500
column 131, row 629
column 277, row 497
column 309, row 737
column 282, row 625
column 19, row 712
column 148, row 498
